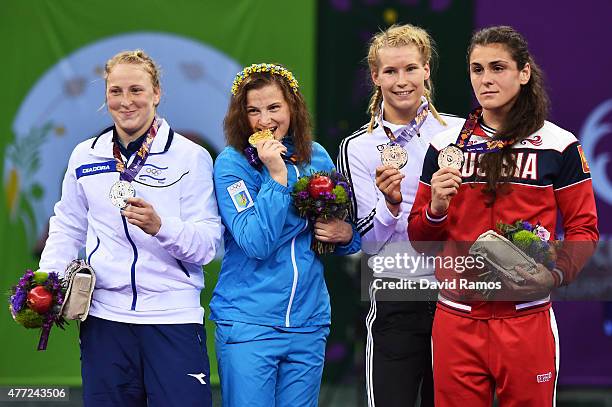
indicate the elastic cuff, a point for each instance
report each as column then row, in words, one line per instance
column 558, row 276
column 435, row 218
column 169, row 230
column 384, row 214
column 275, row 186
column 393, row 203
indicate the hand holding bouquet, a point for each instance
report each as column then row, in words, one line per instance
column 322, row 195
column 36, row 302
column 517, row 256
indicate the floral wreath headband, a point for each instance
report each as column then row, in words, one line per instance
column 273, row 69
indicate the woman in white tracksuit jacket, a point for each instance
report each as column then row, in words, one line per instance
column 143, row 342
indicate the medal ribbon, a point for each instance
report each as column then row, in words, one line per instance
column 470, row 124
column 412, row 128
column 128, row 174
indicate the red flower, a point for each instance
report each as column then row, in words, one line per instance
column 320, row 184
column 40, row 299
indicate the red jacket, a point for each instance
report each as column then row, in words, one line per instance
column 552, row 177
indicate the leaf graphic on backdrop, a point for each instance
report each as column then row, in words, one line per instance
column 593, row 130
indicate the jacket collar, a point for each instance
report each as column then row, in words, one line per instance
column 102, row 145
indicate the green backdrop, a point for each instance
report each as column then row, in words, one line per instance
column 36, row 34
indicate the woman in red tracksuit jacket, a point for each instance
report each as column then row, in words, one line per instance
column 529, row 170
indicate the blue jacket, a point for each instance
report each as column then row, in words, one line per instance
column 269, row 275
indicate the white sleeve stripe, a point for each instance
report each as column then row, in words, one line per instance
column 435, row 220
column 571, row 185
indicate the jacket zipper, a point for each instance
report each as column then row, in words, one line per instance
column 93, row 251
column 133, row 270
column 296, row 273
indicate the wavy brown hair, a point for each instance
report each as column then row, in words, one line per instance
column 394, row 37
column 527, row 114
column 236, row 122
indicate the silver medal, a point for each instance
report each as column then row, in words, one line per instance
column 451, row 156
column 394, row 156
column 120, row 192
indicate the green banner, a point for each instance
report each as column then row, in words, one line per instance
column 53, row 95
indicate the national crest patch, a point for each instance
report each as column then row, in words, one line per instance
column 585, row 164
column 240, row 196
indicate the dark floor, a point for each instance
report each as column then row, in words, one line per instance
column 341, row 396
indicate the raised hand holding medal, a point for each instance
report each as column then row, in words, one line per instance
column 137, row 211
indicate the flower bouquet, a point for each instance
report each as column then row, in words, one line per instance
column 520, row 244
column 325, row 195
column 36, row 302
column 533, row 240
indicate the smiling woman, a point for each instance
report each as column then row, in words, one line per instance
column 147, row 243
column 383, row 160
column 132, row 95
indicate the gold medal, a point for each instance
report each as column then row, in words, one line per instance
column 451, row 156
column 394, row 156
column 260, row 136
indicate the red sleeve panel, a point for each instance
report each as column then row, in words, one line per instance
column 576, row 202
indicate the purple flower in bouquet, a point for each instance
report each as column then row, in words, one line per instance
column 329, row 196
column 36, row 302
column 18, row 300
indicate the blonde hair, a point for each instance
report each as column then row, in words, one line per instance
column 399, row 36
column 137, row 57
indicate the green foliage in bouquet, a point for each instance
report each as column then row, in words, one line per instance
column 533, row 240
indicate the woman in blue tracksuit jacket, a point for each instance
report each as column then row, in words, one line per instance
column 271, row 304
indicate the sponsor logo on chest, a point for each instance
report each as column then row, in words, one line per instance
column 96, row 168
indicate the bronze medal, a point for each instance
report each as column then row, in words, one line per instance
column 394, row 156
column 451, row 156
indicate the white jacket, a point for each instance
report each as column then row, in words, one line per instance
column 382, row 233
column 139, row 278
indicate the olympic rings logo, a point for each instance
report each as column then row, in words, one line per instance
column 153, row 171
